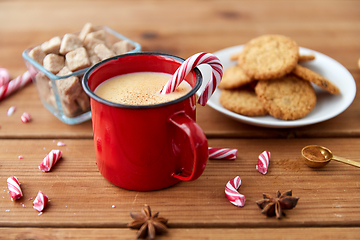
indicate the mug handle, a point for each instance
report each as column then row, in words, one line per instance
column 198, row 142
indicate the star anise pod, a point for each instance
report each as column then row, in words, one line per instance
column 147, row 224
column 275, row 206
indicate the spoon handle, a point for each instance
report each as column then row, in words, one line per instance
column 346, row 161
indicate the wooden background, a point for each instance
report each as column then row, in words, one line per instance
column 81, row 199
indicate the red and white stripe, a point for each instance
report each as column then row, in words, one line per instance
column 188, row 65
column 14, row 85
column 40, row 201
column 61, row 144
column 231, row 192
column 11, row 110
column 263, row 162
column 25, row 117
column 14, row 188
column 222, row 153
column 50, row 160
column 4, row 76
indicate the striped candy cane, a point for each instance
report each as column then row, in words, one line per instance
column 14, row 85
column 50, row 160
column 263, row 162
column 187, row 66
column 232, row 194
column 4, row 76
column 14, row 188
column 222, row 153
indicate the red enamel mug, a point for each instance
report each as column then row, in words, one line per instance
column 149, row 147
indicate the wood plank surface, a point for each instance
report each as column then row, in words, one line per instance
column 81, row 197
column 330, row 27
column 184, row 233
column 186, row 27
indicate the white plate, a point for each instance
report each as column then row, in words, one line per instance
column 327, row 105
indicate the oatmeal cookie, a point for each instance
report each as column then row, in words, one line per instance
column 316, row 78
column 269, row 57
column 235, row 56
column 234, row 77
column 305, row 58
column 242, row 101
column 286, row 98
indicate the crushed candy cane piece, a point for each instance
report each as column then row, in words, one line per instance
column 263, row 162
column 61, row 144
column 222, row 153
column 231, row 192
column 20, row 157
column 4, row 76
column 40, row 201
column 11, row 110
column 113, row 206
column 16, row 84
column 50, row 160
column 25, row 117
column 14, row 188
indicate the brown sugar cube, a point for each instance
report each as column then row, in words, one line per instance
column 69, row 42
column 70, row 108
column 90, row 44
column 94, row 59
column 37, row 54
column 121, row 47
column 43, row 85
column 54, row 63
column 77, row 59
column 73, row 98
column 69, row 87
column 87, row 28
column 100, row 34
column 83, row 101
column 52, row 46
column 51, row 98
column 103, row 52
column 64, row 71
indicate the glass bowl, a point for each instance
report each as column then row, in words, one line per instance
column 72, row 110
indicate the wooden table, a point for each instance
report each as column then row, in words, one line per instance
column 81, row 199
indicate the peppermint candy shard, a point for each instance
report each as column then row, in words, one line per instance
column 14, row 188
column 50, row 160
column 222, row 153
column 25, row 117
column 61, row 144
column 11, row 110
column 232, row 194
column 263, row 162
column 40, row 201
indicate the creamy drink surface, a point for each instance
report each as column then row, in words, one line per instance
column 141, row 88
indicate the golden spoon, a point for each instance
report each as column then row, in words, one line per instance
column 318, row 156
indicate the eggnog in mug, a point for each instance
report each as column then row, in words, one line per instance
column 140, row 88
